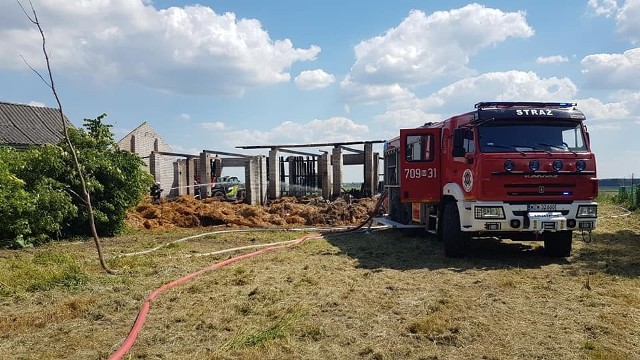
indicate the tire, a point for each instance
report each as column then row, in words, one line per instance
column 398, row 211
column 455, row 240
column 241, row 195
column 558, row 244
column 217, row 195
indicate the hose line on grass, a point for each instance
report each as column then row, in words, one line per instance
column 130, row 340
column 144, row 310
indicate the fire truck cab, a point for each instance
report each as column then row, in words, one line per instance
column 512, row 170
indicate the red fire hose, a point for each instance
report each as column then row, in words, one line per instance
column 144, row 310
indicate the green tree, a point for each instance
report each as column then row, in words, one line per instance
column 40, row 190
column 115, row 178
column 34, row 206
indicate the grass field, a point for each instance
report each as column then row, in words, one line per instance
column 376, row 295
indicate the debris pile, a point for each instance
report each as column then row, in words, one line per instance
column 187, row 212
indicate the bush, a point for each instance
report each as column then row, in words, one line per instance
column 41, row 193
column 30, row 210
column 115, row 178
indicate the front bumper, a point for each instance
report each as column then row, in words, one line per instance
column 520, row 217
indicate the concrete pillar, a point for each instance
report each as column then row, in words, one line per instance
column 325, row 172
column 217, row 164
column 191, row 175
column 205, row 174
column 255, row 175
column 263, row 180
column 181, row 176
column 336, row 161
column 369, row 178
column 154, row 166
column 274, row 174
column 376, row 170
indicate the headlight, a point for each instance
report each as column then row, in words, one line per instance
column 489, row 212
column 557, row 165
column 534, row 165
column 509, row 165
column 581, row 165
column 587, row 211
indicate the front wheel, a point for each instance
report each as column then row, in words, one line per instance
column 558, row 244
column 455, row 240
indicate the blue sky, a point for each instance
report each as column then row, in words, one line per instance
column 218, row 74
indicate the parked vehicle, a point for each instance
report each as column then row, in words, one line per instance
column 514, row 170
column 228, row 187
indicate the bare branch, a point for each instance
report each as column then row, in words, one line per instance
column 35, row 71
column 85, row 193
column 25, row 11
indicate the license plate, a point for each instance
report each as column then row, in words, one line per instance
column 541, row 207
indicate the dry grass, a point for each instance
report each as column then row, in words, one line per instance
column 378, row 295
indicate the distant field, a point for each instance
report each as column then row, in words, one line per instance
column 374, row 295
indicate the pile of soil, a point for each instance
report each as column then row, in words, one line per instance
column 187, row 212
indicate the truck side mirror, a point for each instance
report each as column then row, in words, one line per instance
column 458, row 143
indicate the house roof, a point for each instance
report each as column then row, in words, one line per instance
column 22, row 125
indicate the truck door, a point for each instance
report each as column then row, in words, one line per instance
column 420, row 165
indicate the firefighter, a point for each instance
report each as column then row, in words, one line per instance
column 155, row 192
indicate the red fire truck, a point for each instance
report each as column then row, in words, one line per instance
column 512, row 170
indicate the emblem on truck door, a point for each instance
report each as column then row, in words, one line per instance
column 467, row 180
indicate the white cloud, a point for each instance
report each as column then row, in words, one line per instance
column 604, row 127
column 184, row 150
column 314, row 79
column 189, row 49
column 392, row 120
column 369, row 94
column 628, row 20
column 184, row 117
column 603, row 7
column 423, row 48
column 626, row 16
column 335, row 129
column 213, row 125
column 613, row 70
column 595, row 109
column 551, row 59
column 501, row 86
column 37, row 103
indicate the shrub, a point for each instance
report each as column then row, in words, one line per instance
column 41, row 192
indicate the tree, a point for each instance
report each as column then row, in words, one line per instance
column 33, row 205
column 84, row 194
column 115, row 178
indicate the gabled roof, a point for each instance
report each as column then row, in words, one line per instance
column 22, row 125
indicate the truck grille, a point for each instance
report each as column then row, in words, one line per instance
column 539, row 189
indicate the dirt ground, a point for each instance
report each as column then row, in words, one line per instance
column 187, row 212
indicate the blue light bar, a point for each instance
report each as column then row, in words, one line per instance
column 486, row 104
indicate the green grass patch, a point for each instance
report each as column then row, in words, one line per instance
column 281, row 329
column 43, row 271
column 597, row 352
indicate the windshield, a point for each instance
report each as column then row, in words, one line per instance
column 513, row 135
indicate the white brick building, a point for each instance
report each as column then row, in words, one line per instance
column 142, row 141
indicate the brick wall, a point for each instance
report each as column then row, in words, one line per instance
column 142, row 141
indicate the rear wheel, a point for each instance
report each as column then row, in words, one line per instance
column 455, row 240
column 558, row 244
column 217, row 195
column 241, row 195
